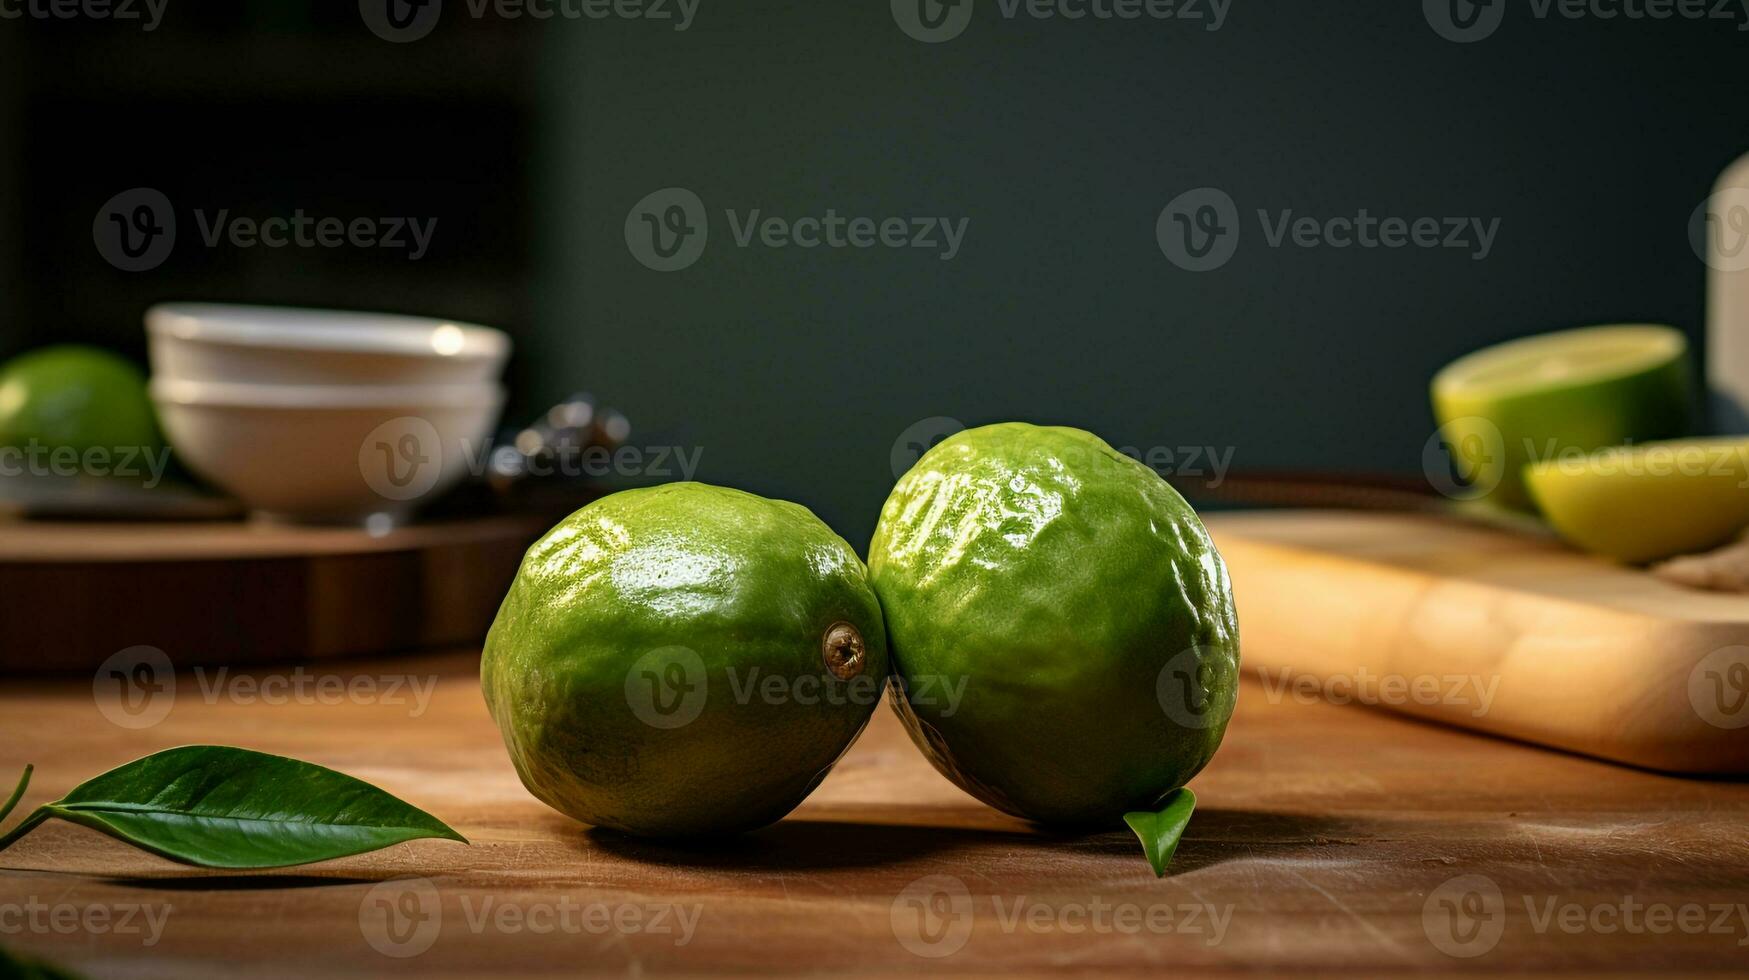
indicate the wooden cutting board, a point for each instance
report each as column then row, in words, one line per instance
column 1503, row 632
column 74, row 594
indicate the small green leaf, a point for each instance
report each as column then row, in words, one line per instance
column 221, row 807
column 1161, row 830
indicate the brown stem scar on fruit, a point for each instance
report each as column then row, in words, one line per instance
column 843, row 651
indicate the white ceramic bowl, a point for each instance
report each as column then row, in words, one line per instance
column 325, row 453
column 289, row 346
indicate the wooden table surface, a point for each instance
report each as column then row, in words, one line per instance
column 1334, row 839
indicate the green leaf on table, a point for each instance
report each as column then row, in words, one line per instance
column 1160, row 830
column 220, row 807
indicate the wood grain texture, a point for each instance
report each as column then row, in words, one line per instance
column 238, row 592
column 1503, row 632
column 1325, row 836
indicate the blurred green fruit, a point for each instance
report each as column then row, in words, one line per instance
column 76, row 397
column 1543, row 397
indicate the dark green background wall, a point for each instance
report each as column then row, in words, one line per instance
column 1592, row 142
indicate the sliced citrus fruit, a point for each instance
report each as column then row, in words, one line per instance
column 1642, row 503
column 1573, row 391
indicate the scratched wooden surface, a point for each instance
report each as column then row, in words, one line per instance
column 1331, row 839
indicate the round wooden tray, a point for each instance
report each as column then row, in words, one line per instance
column 72, row 594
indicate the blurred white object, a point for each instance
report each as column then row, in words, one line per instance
column 1726, row 227
column 329, row 453
column 285, row 345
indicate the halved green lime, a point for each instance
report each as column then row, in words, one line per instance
column 1642, row 503
column 1574, row 391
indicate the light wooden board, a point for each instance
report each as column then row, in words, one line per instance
column 1324, row 837
column 1504, row 632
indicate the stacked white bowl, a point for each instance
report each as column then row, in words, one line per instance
column 325, row 416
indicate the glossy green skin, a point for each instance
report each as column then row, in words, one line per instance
column 1059, row 579
column 747, row 584
column 76, row 397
